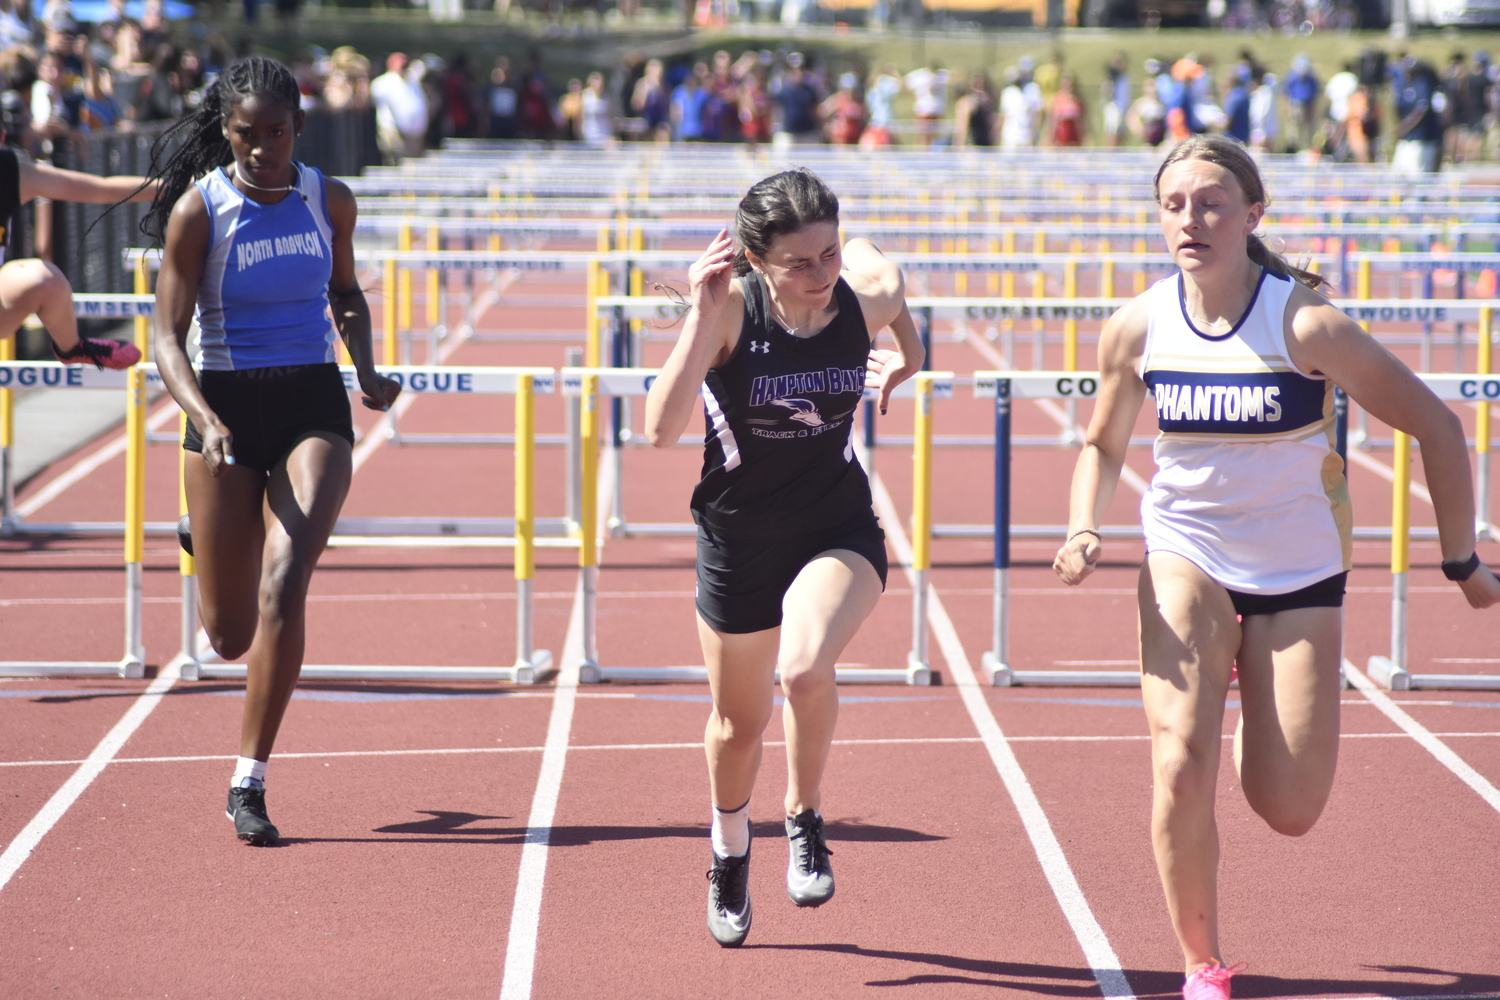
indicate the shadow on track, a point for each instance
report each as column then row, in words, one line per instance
column 446, row 827
column 1062, row 981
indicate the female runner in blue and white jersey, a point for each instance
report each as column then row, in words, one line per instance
column 262, row 247
column 1247, row 520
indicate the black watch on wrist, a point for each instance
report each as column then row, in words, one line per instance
column 1460, row 570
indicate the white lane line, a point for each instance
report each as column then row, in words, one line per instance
column 1097, row 950
column 696, row 745
column 31, row 835
column 526, row 913
column 1059, row 416
column 1424, row 736
column 84, row 466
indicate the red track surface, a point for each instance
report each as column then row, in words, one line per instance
column 399, row 872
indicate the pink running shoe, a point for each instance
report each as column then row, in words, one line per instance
column 103, row 353
column 1210, row 982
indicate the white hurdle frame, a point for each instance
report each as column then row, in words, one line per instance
column 134, row 381
column 633, row 382
column 519, row 532
column 1393, row 671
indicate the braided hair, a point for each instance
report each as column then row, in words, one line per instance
column 199, row 136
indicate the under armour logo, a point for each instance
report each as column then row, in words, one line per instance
column 763, row 346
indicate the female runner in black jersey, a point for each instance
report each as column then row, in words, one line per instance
column 790, row 557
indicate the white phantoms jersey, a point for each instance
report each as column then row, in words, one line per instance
column 1249, row 486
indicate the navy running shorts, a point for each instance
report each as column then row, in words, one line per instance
column 742, row 581
column 271, row 410
column 1326, row 593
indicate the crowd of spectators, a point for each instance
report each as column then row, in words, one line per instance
column 1378, row 108
column 62, row 75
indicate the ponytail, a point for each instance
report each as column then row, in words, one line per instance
column 1259, row 253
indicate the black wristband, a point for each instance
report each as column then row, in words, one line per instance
column 1460, row 570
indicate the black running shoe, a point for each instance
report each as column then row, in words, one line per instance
column 729, row 900
column 185, row 534
column 247, row 807
column 809, row 874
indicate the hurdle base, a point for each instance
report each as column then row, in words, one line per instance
column 1387, row 674
column 532, row 671
column 592, row 673
column 1076, row 678
column 918, row 673
column 73, row 668
column 1453, row 682
column 998, row 674
column 344, row 672
column 188, row 668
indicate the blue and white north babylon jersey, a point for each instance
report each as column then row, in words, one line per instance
column 263, row 298
column 1249, row 485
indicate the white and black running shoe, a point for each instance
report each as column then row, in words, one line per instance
column 809, row 873
column 729, row 900
column 247, row 807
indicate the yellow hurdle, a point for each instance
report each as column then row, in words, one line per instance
column 187, row 571
column 134, row 664
column 388, row 313
column 1070, row 326
column 921, row 520
column 403, row 284
column 1400, row 545
column 7, row 433
column 588, row 522
column 1482, row 420
column 529, row 661
column 434, row 280
column 591, row 315
column 142, row 326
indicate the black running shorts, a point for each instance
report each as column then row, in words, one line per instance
column 271, row 410
column 742, row 581
column 1326, row 593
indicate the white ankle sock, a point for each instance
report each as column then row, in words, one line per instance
column 248, row 773
column 731, row 831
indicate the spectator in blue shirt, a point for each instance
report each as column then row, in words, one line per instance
column 1237, row 110
column 1302, row 88
column 799, row 108
column 689, row 101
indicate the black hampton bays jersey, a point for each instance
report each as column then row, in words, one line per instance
column 10, row 194
column 779, row 449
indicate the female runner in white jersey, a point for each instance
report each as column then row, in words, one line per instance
column 1247, row 520
column 790, row 557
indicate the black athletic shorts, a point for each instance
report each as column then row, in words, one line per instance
column 1328, row 593
column 742, row 581
column 271, row 410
